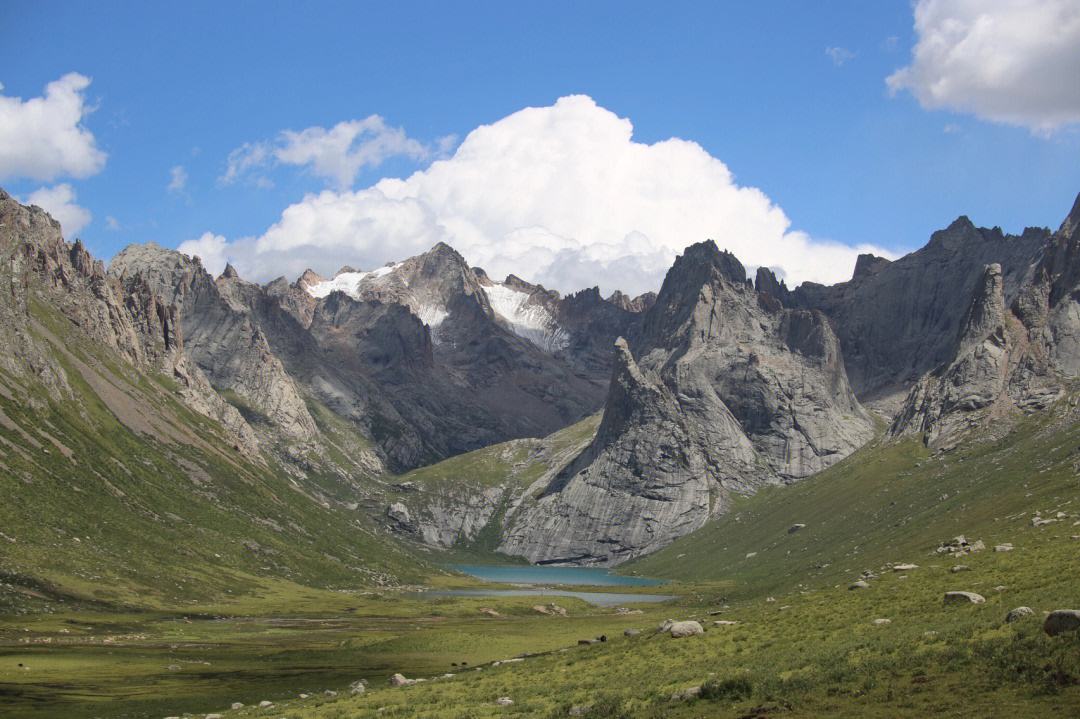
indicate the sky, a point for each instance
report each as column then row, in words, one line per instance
column 573, row 144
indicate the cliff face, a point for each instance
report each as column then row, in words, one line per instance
column 127, row 316
column 898, row 320
column 1011, row 355
column 723, row 390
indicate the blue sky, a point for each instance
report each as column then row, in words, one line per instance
column 820, row 134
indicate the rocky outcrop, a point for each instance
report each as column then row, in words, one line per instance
column 126, row 317
column 898, row 320
column 724, row 390
column 1009, row 357
column 220, row 336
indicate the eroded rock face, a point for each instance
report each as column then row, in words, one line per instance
column 220, row 336
column 898, row 320
column 725, row 390
column 128, row 317
column 1009, row 357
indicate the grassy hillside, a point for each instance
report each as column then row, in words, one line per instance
column 492, row 478
column 889, row 502
column 519, row 462
column 122, row 497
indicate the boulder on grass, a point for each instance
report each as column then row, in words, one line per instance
column 1060, row 621
column 964, row 598
column 678, row 630
column 1019, row 613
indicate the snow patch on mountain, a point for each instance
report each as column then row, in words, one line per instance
column 347, row 282
column 530, row 320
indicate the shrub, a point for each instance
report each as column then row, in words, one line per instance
column 730, row 689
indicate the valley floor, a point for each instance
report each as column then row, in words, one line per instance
column 803, row 644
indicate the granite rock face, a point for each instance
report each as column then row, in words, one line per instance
column 1010, row 357
column 126, row 317
column 220, row 335
column 898, row 320
column 724, row 390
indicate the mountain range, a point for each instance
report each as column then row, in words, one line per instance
column 363, row 417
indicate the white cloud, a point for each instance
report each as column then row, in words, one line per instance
column 112, row 223
column 59, row 201
column 839, row 55
column 1010, row 61
column 561, row 195
column 336, row 155
column 210, row 248
column 42, row 138
column 244, row 161
column 178, row 178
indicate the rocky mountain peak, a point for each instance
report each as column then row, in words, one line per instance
column 636, row 305
column 765, row 282
column 230, row 273
column 987, row 310
column 308, row 278
column 705, row 259
column 1072, row 222
column 867, row 264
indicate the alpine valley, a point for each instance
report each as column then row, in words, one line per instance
column 223, row 498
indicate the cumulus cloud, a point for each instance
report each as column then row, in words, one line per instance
column 59, row 201
column 42, row 138
column 1009, row 61
column 178, row 178
column 335, row 155
column 561, row 195
column 210, row 248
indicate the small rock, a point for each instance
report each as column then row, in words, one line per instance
column 588, row 641
column 330, row 693
column 579, row 710
column 399, row 680
column 631, row 633
column 678, row 630
column 304, row 696
column 264, row 704
column 1019, row 613
column 724, row 623
column 1000, row 588
column 1060, row 621
column 489, row 611
column 504, row 701
column 358, row 687
column 904, row 567
column 964, row 598
column 882, row 622
column 686, row 694
column 770, row 600
column 796, row 527
column 960, row 568
column 859, row 585
column 235, row 706
column 213, row 716
column 751, row 554
column 1006, row 547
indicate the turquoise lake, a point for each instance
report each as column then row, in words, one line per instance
column 540, row 581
